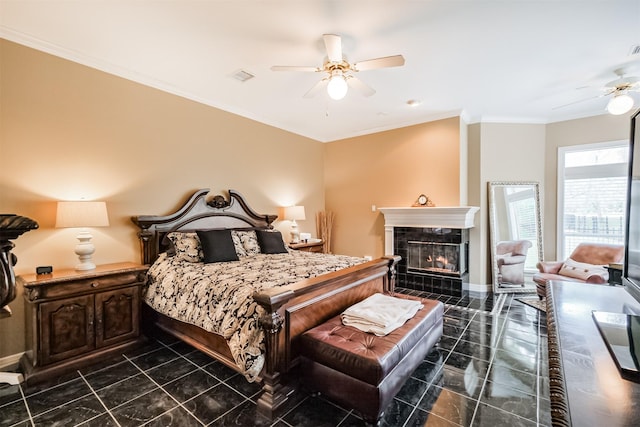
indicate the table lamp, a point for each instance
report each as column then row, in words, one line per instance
column 294, row 213
column 81, row 215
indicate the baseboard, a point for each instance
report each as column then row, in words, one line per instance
column 474, row 287
column 10, row 362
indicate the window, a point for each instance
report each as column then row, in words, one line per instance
column 592, row 190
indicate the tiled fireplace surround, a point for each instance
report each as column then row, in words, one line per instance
column 441, row 283
column 433, row 226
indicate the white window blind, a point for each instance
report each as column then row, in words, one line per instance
column 592, row 189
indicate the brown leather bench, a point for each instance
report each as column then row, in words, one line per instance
column 362, row 371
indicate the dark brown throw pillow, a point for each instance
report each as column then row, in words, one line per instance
column 217, row 246
column 271, row 242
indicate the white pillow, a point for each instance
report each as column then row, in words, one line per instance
column 580, row 270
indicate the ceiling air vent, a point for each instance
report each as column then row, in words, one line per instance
column 242, row 75
column 635, row 50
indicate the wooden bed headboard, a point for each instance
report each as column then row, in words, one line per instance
column 198, row 213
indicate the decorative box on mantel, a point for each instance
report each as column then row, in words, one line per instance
column 434, row 245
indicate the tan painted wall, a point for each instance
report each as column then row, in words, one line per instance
column 388, row 169
column 501, row 152
column 69, row 131
column 590, row 130
column 475, row 194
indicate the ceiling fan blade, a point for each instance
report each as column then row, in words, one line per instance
column 360, row 86
column 294, row 68
column 316, row 88
column 580, row 101
column 387, row 61
column 333, row 43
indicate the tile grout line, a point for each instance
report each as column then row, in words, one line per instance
column 165, row 391
column 221, row 381
column 26, row 405
column 99, row 399
column 486, row 379
column 441, row 368
column 490, row 365
column 51, row 409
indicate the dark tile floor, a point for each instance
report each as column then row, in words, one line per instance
column 490, row 369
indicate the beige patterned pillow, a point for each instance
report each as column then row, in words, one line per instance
column 187, row 246
column 249, row 242
column 237, row 242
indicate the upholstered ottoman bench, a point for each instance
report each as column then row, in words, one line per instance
column 362, row 371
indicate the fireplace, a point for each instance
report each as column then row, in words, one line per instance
column 436, row 258
column 433, row 244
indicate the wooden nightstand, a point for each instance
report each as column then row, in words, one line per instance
column 75, row 317
column 311, row 246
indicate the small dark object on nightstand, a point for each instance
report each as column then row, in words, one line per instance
column 44, row 270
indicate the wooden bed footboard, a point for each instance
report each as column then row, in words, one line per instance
column 291, row 310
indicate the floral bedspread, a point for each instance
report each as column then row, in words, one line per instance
column 218, row 297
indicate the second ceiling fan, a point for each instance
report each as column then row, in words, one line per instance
column 340, row 72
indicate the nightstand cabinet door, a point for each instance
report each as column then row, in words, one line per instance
column 117, row 314
column 67, row 328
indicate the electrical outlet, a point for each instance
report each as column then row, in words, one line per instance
column 373, row 208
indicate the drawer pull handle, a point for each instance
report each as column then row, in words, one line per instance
column 94, row 284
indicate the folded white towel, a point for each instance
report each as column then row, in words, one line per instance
column 380, row 314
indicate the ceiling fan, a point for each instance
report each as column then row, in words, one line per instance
column 621, row 102
column 340, row 72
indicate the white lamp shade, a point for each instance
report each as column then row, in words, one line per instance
column 337, row 87
column 294, row 213
column 620, row 104
column 81, row 214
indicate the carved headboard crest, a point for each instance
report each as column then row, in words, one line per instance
column 218, row 202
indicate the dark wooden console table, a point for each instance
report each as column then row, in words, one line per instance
column 586, row 388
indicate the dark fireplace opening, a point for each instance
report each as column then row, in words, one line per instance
column 436, row 258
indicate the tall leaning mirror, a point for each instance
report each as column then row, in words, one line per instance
column 515, row 234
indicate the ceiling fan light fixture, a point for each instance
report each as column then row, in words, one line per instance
column 620, row 104
column 337, row 87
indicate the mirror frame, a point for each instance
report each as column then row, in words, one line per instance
column 494, row 237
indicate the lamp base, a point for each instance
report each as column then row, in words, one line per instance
column 295, row 233
column 85, row 266
column 84, row 250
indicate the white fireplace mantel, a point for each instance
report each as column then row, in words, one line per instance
column 456, row 217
